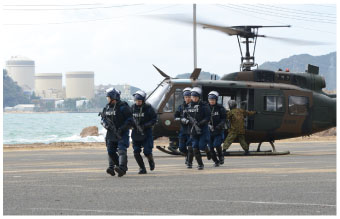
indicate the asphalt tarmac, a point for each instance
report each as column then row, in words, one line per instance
column 74, row 182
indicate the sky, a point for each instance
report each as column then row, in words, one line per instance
column 120, row 41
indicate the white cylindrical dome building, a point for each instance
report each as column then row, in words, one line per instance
column 49, row 85
column 21, row 69
column 80, row 84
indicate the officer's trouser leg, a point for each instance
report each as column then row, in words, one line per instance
column 113, row 160
column 151, row 161
column 198, row 157
column 214, row 157
column 243, row 143
column 112, row 157
column 122, row 168
column 208, row 152
column 190, row 156
column 183, row 147
column 140, row 162
column 220, row 154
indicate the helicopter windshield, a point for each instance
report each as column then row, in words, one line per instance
column 157, row 96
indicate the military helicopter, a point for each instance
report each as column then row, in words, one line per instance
column 291, row 104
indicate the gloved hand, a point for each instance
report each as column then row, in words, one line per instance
column 219, row 127
column 104, row 124
column 184, row 121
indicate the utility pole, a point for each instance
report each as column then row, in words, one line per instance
column 195, row 40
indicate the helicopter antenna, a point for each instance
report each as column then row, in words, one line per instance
column 195, row 74
column 161, row 72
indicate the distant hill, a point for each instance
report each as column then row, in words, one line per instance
column 203, row 76
column 298, row 63
column 13, row 94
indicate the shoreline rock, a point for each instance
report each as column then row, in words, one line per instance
column 89, row 131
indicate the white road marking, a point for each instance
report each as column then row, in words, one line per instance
column 260, row 202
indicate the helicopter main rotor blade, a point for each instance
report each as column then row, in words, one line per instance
column 297, row 41
column 228, row 30
column 180, row 18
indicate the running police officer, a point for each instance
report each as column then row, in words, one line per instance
column 216, row 127
column 199, row 116
column 144, row 118
column 117, row 119
column 184, row 133
column 236, row 118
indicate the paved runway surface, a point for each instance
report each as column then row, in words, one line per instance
column 74, row 182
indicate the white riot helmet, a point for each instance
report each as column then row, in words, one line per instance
column 139, row 95
column 187, row 91
column 213, row 95
column 196, row 91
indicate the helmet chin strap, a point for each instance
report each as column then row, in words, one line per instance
column 112, row 101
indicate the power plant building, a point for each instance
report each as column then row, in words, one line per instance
column 49, row 85
column 80, row 84
column 21, row 70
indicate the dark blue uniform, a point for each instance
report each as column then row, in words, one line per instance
column 217, row 122
column 200, row 112
column 184, row 132
column 216, row 125
column 185, row 142
column 199, row 116
column 120, row 114
column 145, row 117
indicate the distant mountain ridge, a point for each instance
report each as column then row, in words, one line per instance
column 298, row 63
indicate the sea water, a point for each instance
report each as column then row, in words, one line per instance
column 28, row 128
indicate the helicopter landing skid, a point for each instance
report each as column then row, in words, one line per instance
column 172, row 151
column 167, row 151
column 255, row 153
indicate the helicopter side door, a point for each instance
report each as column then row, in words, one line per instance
column 270, row 104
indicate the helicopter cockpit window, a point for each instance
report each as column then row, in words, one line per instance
column 273, row 103
column 168, row 107
column 298, row 105
column 178, row 98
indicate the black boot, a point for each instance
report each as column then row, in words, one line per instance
column 207, row 151
column 122, row 168
column 214, row 158
column 140, row 162
column 113, row 160
column 198, row 157
column 151, row 161
column 220, row 154
column 186, row 158
column 190, row 157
